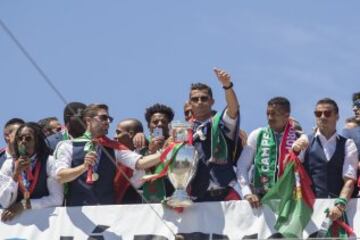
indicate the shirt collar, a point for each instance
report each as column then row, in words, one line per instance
column 319, row 134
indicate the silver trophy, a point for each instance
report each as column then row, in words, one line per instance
column 183, row 168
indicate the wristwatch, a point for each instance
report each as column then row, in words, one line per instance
column 228, row 87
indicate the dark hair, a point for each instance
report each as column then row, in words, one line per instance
column 352, row 120
column 45, row 123
column 138, row 127
column 282, row 102
column 201, row 86
column 355, row 96
column 73, row 109
column 13, row 121
column 41, row 148
column 92, row 109
column 329, row 101
column 158, row 108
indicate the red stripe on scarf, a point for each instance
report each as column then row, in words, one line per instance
column 283, row 151
column 162, row 159
column 306, row 183
column 123, row 173
column 30, row 177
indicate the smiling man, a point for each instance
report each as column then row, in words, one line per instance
column 88, row 163
column 266, row 150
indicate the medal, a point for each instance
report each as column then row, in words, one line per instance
column 26, row 195
column 95, row 176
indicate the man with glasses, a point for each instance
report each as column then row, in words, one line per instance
column 331, row 160
column 266, row 150
column 215, row 139
column 88, row 163
column 28, row 170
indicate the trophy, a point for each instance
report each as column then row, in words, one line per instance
column 183, row 168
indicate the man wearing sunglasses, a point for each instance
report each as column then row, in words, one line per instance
column 215, row 139
column 266, row 151
column 89, row 163
column 29, row 184
column 331, row 160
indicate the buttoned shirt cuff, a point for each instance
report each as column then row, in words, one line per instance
column 228, row 120
column 229, row 123
column 58, row 169
column 245, row 190
column 350, row 174
column 8, row 193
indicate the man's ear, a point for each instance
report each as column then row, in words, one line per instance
column 7, row 137
column 87, row 121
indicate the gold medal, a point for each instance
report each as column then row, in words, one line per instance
column 26, row 195
column 95, row 176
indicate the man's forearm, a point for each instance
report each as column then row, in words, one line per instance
column 148, row 161
column 69, row 174
column 347, row 189
column 232, row 103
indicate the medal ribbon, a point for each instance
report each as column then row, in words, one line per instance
column 25, row 178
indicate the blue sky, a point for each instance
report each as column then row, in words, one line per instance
column 131, row 54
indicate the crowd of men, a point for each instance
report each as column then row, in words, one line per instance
column 45, row 164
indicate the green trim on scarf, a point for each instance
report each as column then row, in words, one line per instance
column 265, row 161
column 219, row 148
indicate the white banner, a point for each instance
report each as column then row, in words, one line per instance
column 215, row 220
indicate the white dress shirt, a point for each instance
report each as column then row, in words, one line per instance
column 9, row 188
column 351, row 154
column 64, row 151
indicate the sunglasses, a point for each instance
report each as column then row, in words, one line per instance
column 202, row 99
column 105, row 117
column 327, row 113
column 26, row 138
column 187, row 113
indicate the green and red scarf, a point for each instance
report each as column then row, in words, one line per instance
column 269, row 156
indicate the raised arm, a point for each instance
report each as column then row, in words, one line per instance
column 230, row 96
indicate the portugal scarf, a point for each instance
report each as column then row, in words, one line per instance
column 269, row 158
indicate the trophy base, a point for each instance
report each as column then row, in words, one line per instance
column 180, row 198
